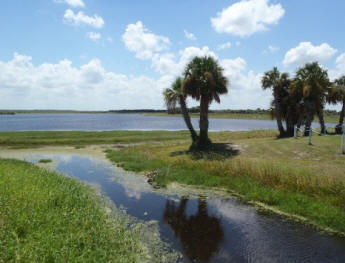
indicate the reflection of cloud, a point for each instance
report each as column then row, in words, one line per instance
column 231, row 211
column 134, row 185
column 132, row 193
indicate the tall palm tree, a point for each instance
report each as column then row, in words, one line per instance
column 174, row 96
column 204, row 81
column 313, row 83
column 336, row 95
column 279, row 83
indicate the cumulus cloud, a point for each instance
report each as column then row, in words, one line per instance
column 62, row 86
column 170, row 64
column 245, row 85
column 247, row 17
column 142, row 42
column 224, row 46
column 339, row 69
column 72, row 3
column 94, row 36
column 80, row 18
column 271, row 49
column 306, row 52
column 189, row 35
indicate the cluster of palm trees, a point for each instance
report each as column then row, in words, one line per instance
column 297, row 100
column 203, row 80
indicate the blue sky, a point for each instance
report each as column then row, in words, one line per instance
column 103, row 54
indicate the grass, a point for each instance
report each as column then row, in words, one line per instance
column 46, row 217
column 288, row 175
column 81, row 138
column 331, row 118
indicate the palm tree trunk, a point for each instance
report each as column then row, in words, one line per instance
column 322, row 121
column 203, row 139
column 186, row 118
column 339, row 127
column 278, row 115
column 342, row 114
column 309, row 117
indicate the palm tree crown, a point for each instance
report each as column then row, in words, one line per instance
column 204, row 77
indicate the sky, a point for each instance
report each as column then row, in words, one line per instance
column 106, row 54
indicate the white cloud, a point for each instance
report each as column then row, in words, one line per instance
column 72, row 3
column 142, row 42
column 339, row 69
column 63, row 86
column 247, row 17
column 245, row 86
column 306, row 52
column 224, row 46
column 172, row 65
column 94, row 36
column 271, row 49
column 81, row 19
column 189, row 35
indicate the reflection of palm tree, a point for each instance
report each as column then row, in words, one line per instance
column 200, row 234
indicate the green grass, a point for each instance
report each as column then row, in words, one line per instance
column 289, row 175
column 333, row 118
column 46, row 217
column 81, row 138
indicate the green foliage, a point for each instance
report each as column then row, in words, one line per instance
column 204, row 77
column 46, row 217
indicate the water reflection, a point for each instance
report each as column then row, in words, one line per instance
column 200, row 234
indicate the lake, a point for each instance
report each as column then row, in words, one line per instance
column 107, row 121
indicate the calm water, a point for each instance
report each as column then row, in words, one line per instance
column 103, row 122
column 206, row 227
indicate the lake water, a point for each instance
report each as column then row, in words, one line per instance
column 204, row 226
column 104, row 122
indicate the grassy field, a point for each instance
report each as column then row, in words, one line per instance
column 46, row 217
column 333, row 118
column 79, row 138
column 288, row 175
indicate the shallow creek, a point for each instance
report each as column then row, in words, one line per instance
column 204, row 226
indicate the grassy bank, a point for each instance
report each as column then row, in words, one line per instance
column 46, row 217
column 79, row 138
column 29, row 139
column 288, row 175
column 332, row 118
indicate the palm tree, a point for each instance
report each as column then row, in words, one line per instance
column 204, row 81
column 336, row 95
column 279, row 83
column 174, row 95
column 313, row 83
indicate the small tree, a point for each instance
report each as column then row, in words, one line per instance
column 204, row 81
column 313, row 83
column 174, row 96
column 336, row 95
column 279, row 83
